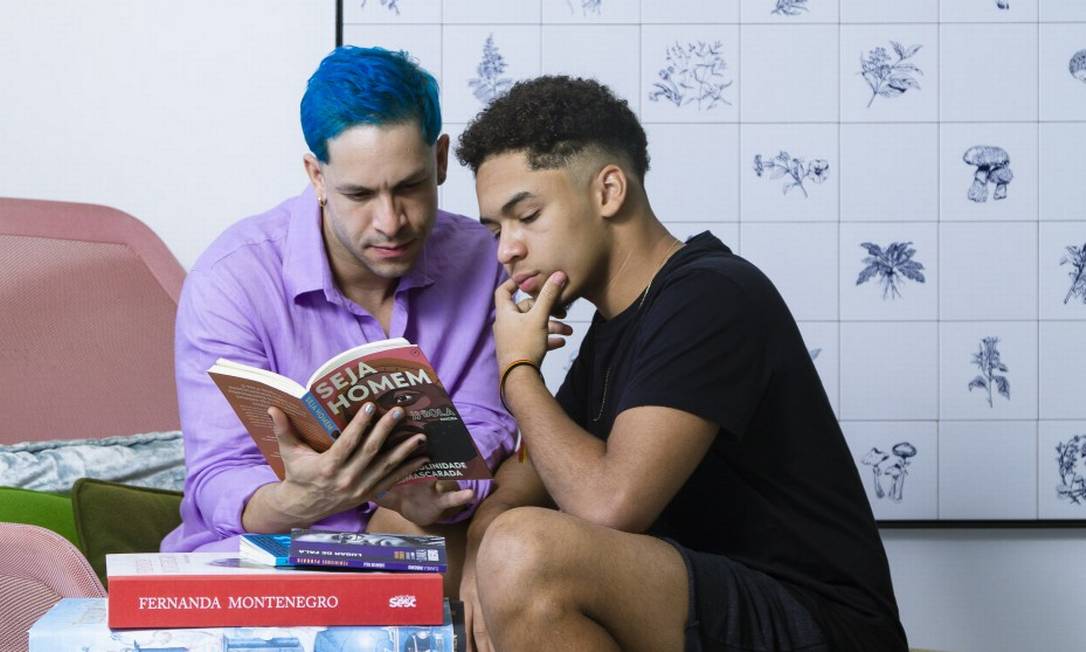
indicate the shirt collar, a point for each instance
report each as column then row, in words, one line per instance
column 305, row 262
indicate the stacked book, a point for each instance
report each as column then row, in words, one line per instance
column 272, row 595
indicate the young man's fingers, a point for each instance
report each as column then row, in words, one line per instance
column 555, row 327
column 548, row 296
column 555, row 342
column 503, row 296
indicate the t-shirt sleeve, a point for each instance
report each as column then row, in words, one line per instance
column 700, row 348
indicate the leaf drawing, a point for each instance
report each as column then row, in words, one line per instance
column 890, row 77
column 1071, row 463
column 790, row 7
column 587, row 6
column 1076, row 257
column 797, row 169
column 694, row 72
column 987, row 360
column 490, row 84
column 891, row 266
column 391, row 5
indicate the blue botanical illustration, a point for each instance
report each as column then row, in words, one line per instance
column 1003, row 4
column 892, row 266
column 587, row 6
column 814, row 353
column 694, row 73
column 797, row 169
column 1071, row 458
column 894, row 465
column 1077, row 65
column 790, row 7
column 889, row 76
column 391, row 5
column 993, row 166
column 1076, row 257
column 490, row 83
column 987, row 360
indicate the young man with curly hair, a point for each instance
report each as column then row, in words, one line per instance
column 706, row 499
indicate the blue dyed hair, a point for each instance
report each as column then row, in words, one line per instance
column 367, row 86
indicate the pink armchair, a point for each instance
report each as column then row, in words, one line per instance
column 88, row 296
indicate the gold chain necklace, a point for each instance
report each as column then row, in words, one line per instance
column 644, row 295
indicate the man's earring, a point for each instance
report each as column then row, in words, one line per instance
column 322, row 201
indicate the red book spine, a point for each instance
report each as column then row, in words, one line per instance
column 150, row 601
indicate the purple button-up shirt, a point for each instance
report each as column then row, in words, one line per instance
column 263, row 294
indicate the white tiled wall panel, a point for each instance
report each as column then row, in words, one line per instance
column 932, row 245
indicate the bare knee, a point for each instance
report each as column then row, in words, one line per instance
column 521, row 554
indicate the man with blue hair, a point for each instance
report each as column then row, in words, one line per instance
column 363, row 254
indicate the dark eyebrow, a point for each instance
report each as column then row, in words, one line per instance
column 508, row 206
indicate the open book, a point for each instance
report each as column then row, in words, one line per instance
column 389, row 373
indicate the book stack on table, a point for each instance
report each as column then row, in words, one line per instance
column 222, row 601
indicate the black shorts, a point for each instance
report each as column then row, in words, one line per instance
column 734, row 608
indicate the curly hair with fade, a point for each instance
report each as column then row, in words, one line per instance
column 553, row 119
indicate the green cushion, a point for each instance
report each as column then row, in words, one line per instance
column 48, row 510
column 112, row 517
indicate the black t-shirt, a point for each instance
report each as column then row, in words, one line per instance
column 778, row 490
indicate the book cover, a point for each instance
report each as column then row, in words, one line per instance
column 390, row 373
column 348, row 550
column 368, row 550
column 265, row 549
column 148, row 590
column 81, row 624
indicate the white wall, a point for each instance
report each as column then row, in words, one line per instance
column 182, row 113
column 990, row 590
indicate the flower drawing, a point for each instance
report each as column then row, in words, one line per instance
column 391, row 5
column 895, row 465
column 1003, row 4
column 790, row 7
column 993, row 166
column 987, row 360
column 587, row 6
column 890, row 76
column 1076, row 257
column 892, row 266
column 1071, row 460
column 797, row 169
column 694, row 73
column 490, row 83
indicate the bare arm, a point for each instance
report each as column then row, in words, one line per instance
column 623, row 483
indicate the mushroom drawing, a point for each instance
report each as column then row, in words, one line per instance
column 903, row 451
column 874, row 459
column 895, row 466
column 1078, row 66
column 992, row 165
